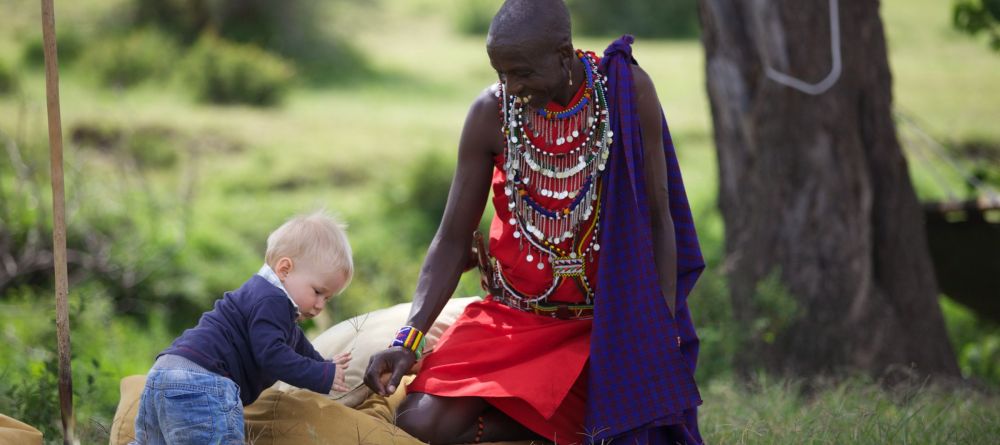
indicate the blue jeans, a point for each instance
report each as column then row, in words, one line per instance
column 188, row 405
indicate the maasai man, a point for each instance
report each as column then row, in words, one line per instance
column 585, row 334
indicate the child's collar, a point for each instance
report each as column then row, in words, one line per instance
column 268, row 274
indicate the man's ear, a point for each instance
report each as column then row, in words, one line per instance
column 566, row 49
column 283, row 267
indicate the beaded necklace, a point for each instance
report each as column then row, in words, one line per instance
column 574, row 175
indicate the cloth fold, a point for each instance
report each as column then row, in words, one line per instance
column 654, row 398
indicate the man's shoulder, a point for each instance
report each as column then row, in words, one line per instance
column 487, row 101
column 641, row 78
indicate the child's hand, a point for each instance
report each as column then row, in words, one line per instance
column 341, row 360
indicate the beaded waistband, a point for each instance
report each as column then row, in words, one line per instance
column 492, row 281
column 559, row 310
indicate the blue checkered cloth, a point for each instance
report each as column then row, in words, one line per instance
column 641, row 388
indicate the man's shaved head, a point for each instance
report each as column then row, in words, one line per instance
column 530, row 23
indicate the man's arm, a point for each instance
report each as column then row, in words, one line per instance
column 448, row 254
column 655, row 173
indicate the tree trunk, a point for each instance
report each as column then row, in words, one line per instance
column 816, row 196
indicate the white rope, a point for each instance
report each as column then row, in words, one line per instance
column 933, row 168
column 824, row 85
column 941, row 152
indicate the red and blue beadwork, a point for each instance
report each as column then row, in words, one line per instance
column 410, row 338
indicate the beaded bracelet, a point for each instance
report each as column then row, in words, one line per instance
column 410, row 338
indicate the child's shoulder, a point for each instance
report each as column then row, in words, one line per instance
column 258, row 294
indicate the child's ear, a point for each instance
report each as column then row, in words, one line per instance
column 283, row 267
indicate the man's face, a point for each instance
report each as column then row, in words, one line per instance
column 529, row 72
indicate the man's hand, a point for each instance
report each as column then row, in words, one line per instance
column 341, row 361
column 386, row 368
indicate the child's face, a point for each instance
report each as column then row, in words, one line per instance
column 310, row 288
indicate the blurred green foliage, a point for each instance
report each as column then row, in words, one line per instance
column 221, row 72
column 975, row 17
column 774, row 308
column 113, row 347
column 642, row 18
column 8, row 79
column 123, row 61
column 712, row 314
column 976, row 342
column 474, row 16
column 126, row 240
column 295, row 29
column 415, row 201
column 69, row 44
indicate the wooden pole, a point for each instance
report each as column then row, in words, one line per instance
column 59, row 220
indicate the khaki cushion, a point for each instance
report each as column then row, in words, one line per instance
column 294, row 417
column 15, row 432
column 123, row 424
column 369, row 333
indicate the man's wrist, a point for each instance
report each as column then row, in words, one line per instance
column 411, row 339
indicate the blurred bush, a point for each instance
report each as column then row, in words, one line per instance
column 8, row 79
column 644, row 18
column 976, row 342
column 474, row 16
column 718, row 335
column 711, row 310
column 154, row 147
column 128, row 60
column 300, row 30
column 976, row 17
column 69, row 45
column 104, row 348
column 222, row 72
column 127, row 239
column 416, row 198
column 391, row 241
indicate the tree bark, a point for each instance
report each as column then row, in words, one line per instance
column 814, row 191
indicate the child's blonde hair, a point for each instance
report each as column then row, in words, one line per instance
column 315, row 238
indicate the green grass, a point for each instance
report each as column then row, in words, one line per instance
column 858, row 411
column 345, row 147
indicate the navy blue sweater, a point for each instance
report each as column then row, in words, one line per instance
column 252, row 338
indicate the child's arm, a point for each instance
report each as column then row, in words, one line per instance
column 304, row 347
column 272, row 336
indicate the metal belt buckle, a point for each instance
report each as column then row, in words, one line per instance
column 563, row 312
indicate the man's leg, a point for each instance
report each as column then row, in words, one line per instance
column 453, row 420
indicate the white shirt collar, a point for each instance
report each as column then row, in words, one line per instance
column 268, row 274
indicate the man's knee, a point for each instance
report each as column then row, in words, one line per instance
column 429, row 421
column 418, row 427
